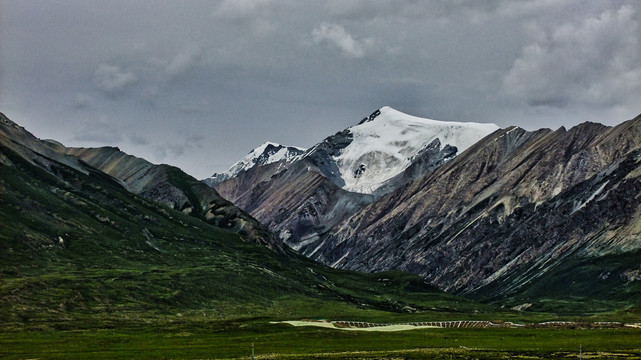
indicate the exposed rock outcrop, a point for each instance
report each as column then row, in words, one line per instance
column 164, row 184
column 303, row 197
column 514, row 207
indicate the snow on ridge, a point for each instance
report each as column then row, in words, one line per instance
column 261, row 156
column 384, row 146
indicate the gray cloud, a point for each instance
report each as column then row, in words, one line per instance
column 240, row 72
column 239, row 9
column 138, row 140
column 594, row 61
column 174, row 151
column 186, row 59
column 83, row 102
column 99, row 132
column 112, row 81
column 338, row 37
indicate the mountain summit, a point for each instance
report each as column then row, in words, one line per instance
column 303, row 196
column 472, row 209
column 267, row 153
column 388, row 141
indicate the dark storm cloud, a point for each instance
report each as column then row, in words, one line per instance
column 239, row 72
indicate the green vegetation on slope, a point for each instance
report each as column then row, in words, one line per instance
column 79, row 251
column 232, row 339
column 102, row 273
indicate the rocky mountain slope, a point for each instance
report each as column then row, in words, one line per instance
column 303, row 197
column 81, row 251
column 519, row 214
column 267, row 153
column 163, row 184
column 506, row 215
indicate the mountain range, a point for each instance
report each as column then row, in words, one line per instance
column 96, row 237
column 302, row 196
column 542, row 220
column 473, row 209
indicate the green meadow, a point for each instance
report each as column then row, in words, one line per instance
column 234, row 339
column 90, row 271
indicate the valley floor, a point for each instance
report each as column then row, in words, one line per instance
column 234, row 340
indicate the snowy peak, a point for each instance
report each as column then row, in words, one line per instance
column 266, row 153
column 385, row 143
column 372, row 157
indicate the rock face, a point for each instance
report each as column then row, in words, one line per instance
column 267, row 153
column 364, row 158
column 503, row 217
column 518, row 213
column 163, row 184
column 299, row 203
column 302, row 197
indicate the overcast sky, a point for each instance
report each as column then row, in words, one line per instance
column 198, row 84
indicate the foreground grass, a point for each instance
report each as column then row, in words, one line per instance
column 233, row 339
column 90, row 271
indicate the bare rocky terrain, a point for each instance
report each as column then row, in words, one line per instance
column 518, row 213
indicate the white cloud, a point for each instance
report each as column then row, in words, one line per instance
column 112, row 81
column 337, row 36
column 593, row 61
column 183, row 61
column 239, row 9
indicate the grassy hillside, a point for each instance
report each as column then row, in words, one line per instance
column 89, row 270
column 580, row 285
column 79, row 251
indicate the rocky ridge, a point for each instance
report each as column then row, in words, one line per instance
column 163, row 184
column 502, row 217
column 303, row 198
column 267, row 153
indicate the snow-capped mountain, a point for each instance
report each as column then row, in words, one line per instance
column 387, row 142
column 267, row 153
column 303, row 197
column 521, row 211
column 469, row 207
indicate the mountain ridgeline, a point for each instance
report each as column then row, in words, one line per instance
column 163, row 184
column 546, row 220
column 303, row 197
column 96, row 237
column 509, row 213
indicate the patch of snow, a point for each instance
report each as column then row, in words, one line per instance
column 594, row 195
column 305, row 241
column 284, row 234
column 387, row 144
column 262, row 156
column 339, row 260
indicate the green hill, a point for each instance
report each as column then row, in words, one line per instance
column 78, row 250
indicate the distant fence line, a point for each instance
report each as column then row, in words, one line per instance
column 483, row 324
column 440, row 324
